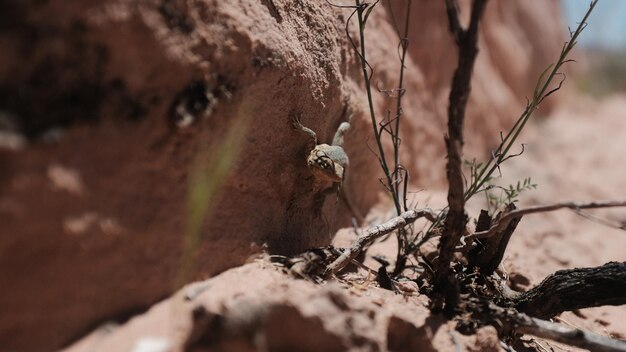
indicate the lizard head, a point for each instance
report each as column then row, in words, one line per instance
column 325, row 164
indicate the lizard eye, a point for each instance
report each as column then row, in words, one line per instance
column 322, row 163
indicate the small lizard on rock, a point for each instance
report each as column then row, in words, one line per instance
column 329, row 162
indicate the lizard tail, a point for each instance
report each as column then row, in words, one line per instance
column 338, row 139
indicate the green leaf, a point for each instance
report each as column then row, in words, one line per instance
column 540, row 80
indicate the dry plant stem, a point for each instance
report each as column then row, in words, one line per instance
column 542, row 91
column 521, row 323
column 489, row 252
column 571, row 289
column 374, row 232
column 570, row 336
column 404, row 43
column 395, row 136
column 466, row 40
column 503, row 222
column 360, row 7
column 393, row 176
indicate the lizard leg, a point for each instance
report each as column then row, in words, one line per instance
column 298, row 126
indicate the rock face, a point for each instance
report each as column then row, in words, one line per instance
column 105, row 105
column 257, row 308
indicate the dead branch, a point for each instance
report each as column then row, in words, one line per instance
column 571, row 289
column 375, row 232
column 452, row 10
column 466, row 40
column 569, row 336
column 508, row 321
column 502, row 223
column 488, row 253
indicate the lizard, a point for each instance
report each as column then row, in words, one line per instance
column 329, row 163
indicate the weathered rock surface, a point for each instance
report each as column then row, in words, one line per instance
column 258, row 308
column 93, row 163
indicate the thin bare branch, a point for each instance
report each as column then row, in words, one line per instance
column 362, row 11
column 502, row 223
column 509, row 319
column 375, row 232
column 601, row 221
column 569, row 336
column 404, row 44
column 452, row 10
column 540, row 92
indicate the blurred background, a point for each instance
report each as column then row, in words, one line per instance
column 606, row 27
column 604, row 42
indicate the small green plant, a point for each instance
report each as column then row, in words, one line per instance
column 498, row 197
column 543, row 89
column 482, row 174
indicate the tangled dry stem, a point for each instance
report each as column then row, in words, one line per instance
column 375, row 232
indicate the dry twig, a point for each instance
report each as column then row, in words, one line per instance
column 503, row 222
column 510, row 320
column 571, row 289
column 375, row 232
column 488, row 253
